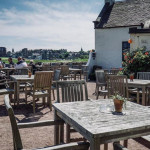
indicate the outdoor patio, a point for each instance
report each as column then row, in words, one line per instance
column 40, row 136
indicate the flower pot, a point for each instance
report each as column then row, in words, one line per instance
column 131, row 77
column 118, row 105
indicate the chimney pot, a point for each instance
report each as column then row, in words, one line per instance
column 110, row 1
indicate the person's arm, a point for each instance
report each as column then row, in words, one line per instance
column 18, row 66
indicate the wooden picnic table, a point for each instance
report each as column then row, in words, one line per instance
column 143, row 84
column 18, row 80
column 7, row 70
column 103, row 127
column 75, row 71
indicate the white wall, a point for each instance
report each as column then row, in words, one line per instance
column 140, row 40
column 90, row 63
column 108, row 46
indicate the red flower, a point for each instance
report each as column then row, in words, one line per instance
column 146, row 53
column 125, row 57
column 120, row 69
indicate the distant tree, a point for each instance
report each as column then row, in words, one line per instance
column 61, row 56
column 66, row 55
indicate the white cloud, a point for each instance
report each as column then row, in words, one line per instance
column 48, row 26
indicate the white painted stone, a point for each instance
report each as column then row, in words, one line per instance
column 90, row 63
column 108, row 46
column 140, row 40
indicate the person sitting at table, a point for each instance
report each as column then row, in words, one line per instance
column 33, row 66
column 23, row 59
column 11, row 63
column 20, row 64
column 1, row 63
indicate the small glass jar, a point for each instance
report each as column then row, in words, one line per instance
column 29, row 73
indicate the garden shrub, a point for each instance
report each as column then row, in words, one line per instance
column 136, row 61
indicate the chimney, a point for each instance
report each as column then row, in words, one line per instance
column 110, row 2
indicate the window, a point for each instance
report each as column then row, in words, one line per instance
column 125, row 48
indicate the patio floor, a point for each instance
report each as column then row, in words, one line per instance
column 38, row 137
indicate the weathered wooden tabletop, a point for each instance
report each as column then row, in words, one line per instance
column 143, row 84
column 138, row 82
column 22, row 78
column 104, row 127
column 7, row 69
column 75, row 71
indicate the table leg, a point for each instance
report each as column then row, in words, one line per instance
column 143, row 96
column 74, row 75
column 80, row 74
column 56, row 130
column 17, row 92
column 94, row 145
column 106, row 146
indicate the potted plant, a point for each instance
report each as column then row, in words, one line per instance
column 131, row 76
column 118, row 102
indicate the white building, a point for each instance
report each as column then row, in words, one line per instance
column 112, row 29
column 140, row 38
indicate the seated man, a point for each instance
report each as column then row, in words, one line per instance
column 11, row 63
column 32, row 64
column 20, row 64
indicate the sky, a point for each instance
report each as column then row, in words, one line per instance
column 48, row 24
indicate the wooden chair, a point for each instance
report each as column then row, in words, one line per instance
column 17, row 142
column 143, row 75
column 100, row 82
column 77, row 66
column 46, row 67
column 8, row 88
column 56, row 77
column 56, row 67
column 114, row 71
column 65, row 73
column 71, row 91
column 117, row 84
column 42, row 87
column 23, row 71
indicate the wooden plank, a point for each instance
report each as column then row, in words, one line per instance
column 40, row 123
column 97, row 124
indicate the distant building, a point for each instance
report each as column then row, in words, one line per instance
column 3, row 51
column 13, row 50
column 9, row 54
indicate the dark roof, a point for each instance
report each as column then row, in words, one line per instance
column 136, row 30
column 124, row 13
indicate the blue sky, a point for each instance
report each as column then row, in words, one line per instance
column 49, row 24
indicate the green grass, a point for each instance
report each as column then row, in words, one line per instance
column 5, row 59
